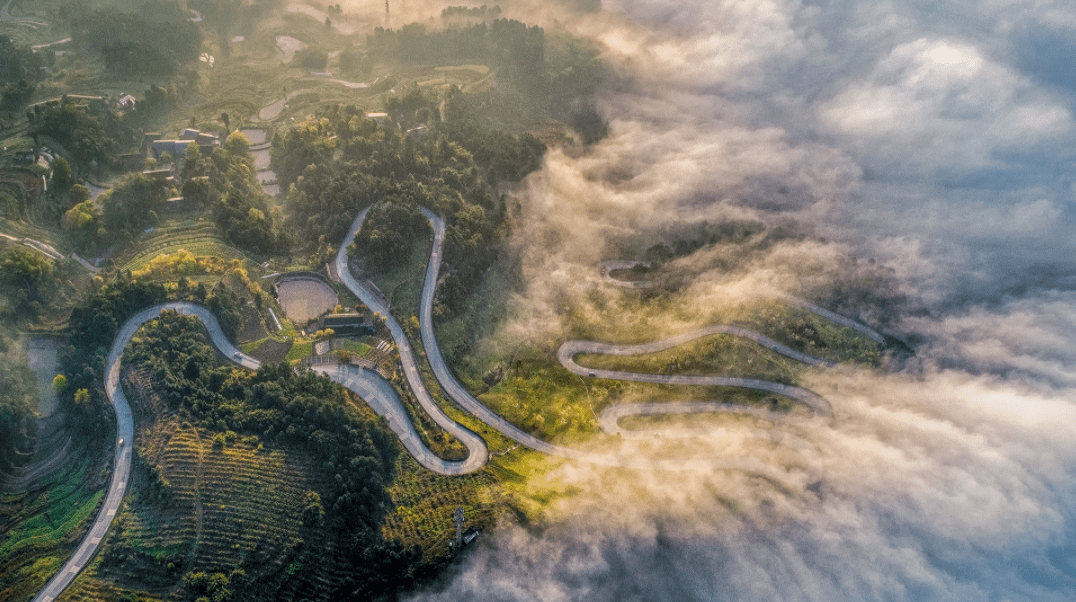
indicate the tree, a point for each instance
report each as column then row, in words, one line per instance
column 227, row 122
column 313, row 512
column 78, row 193
column 59, row 382
column 61, row 174
column 132, row 204
column 83, row 222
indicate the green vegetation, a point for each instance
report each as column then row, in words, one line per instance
column 20, row 71
column 153, row 38
column 299, row 351
column 299, row 410
column 545, row 75
column 239, row 203
column 46, row 525
column 19, row 385
column 91, row 133
column 426, row 502
column 719, row 355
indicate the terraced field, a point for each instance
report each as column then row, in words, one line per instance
column 34, row 550
column 202, row 240
column 213, row 509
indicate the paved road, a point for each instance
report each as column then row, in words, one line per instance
column 477, row 451
column 610, row 416
column 382, row 398
column 567, row 351
column 441, row 372
column 570, row 349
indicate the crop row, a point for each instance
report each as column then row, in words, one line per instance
column 200, row 246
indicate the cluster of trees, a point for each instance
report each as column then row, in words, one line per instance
column 456, row 15
column 227, row 183
column 155, row 38
column 510, row 44
column 133, row 204
column 91, row 133
column 453, row 169
column 19, row 388
column 30, row 276
column 389, row 233
column 93, row 326
column 312, row 58
column 20, row 71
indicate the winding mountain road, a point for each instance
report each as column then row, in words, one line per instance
column 477, row 452
column 383, row 399
column 570, row 349
column 376, row 391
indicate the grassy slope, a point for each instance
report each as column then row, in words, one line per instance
column 42, row 528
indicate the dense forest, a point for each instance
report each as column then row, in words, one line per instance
column 21, row 69
column 227, row 183
column 452, row 169
column 154, row 37
column 17, row 400
column 556, row 76
column 96, row 321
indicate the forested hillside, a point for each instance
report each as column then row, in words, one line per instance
column 454, row 169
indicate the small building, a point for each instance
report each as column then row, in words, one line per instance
column 127, row 101
column 351, row 324
column 160, row 175
column 189, row 134
column 178, row 204
column 176, row 148
column 380, row 118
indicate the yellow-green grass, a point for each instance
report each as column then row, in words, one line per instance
column 357, row 347
column 199, row 245
column 717, row 355
column 402, row 283
column 298, row 351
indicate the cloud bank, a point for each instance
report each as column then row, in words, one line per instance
column 934, row 138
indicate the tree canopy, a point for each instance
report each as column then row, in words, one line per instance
column 155, row 38
column 20, row 71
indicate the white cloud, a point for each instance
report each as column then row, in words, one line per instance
column 935, row 137
column 934, row 104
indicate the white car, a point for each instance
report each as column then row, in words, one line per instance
column 120, row 442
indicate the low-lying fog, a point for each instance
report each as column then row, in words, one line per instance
column 935, row 138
